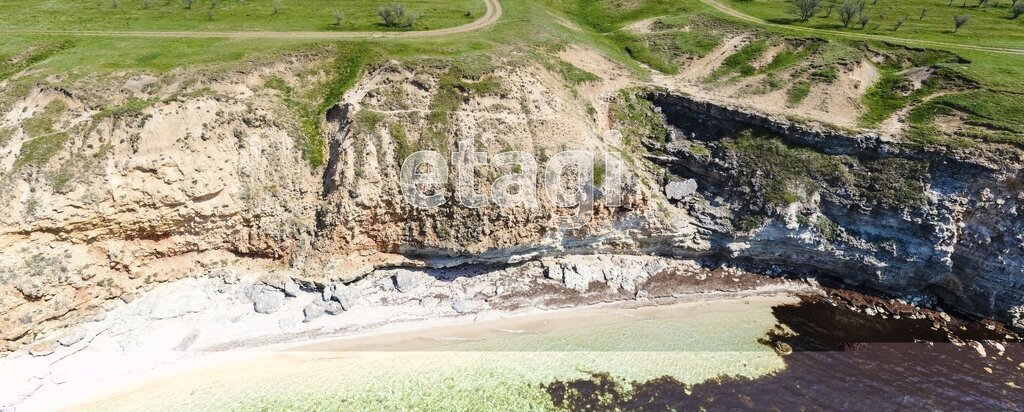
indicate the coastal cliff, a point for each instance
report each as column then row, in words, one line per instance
column 107, row 196
column 859, row 208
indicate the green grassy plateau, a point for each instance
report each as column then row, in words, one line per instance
column 228, row 15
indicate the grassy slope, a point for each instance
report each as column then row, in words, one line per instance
column 233, row 15
column 608, row 19
column 532, row 28
column 987, row 27
column 984, row 114
column 529, row 25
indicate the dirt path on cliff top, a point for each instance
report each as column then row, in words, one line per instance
column 493, row 14
column 924, row 43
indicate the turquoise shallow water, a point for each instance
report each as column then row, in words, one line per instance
column 482, row 365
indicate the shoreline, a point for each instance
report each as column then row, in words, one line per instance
column 413, row 335
column 211, row 322
column 177, row 322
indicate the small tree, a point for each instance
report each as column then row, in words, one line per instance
column 828, row 10
column 959, row 21
column 213, row 4
column 115, row 3
column 899, row 22
column 864, row 20
column 1017, row 9
column 849, row 10
column 188, row 3
column 277, row 7
column 147, row 4
column 806, row 9
column 338, row 17
column 394, row 15
column 924, row 13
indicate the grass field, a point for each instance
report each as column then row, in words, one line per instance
column 987, row 26
column 227, row 15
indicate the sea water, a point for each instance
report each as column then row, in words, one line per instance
column 484, row 365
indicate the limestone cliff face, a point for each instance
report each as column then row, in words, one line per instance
column 870, row 211
column 98, row 205
column 521, row 109
column 106, row 194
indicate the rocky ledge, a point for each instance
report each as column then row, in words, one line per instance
column 937, row 227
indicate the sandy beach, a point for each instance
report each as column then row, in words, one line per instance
column 184, row 331
column 443, row 336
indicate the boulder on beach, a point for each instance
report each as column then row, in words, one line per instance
column 43, row 348
column 554, row 271
column 71, row 336
column 312, row 311
column 405, row 281
column 266, row 299
column 346, row 295
column 333, row 308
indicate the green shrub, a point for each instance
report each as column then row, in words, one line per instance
column 741, row 61
column 572, row 74
column 5, row 135
column 133, row 106
column 403, row 147
column 38, row 151
column 43, row 122
column 637, row 119
column 887, row 96
column 789, row 57
column 796, row 94
column 789, row 174
column 828, row 74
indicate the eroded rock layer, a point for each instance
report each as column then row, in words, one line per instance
column 106, row 196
